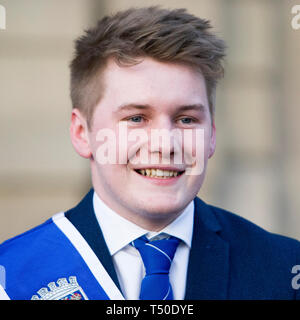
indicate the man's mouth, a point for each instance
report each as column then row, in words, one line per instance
column 159, row 173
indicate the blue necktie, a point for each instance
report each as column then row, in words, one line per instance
column 157, row 257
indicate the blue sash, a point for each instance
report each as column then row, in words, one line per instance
column 54, row 262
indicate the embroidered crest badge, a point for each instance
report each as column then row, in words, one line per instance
column 63, row 290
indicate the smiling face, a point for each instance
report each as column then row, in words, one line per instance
column 145, row 98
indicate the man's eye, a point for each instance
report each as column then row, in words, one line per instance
column 136, row 119
column 187, row 120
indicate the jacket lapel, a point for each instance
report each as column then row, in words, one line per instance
column 85, row 221
column 208, row 267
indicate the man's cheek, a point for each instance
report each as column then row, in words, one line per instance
column 194, row 151
column 129, row 144
column 138, row 152
column 106, row 147
column 122, row 152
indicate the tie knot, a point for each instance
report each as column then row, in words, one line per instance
column 157, row 255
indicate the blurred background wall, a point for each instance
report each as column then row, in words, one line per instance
column 254, row 171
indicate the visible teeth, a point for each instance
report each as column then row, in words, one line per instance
column 159, row 173
column 164, row 174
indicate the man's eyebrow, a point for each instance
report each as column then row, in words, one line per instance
column 130, row 106
column 197, row 107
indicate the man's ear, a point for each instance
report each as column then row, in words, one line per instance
column 79, row 134
column 212, row 146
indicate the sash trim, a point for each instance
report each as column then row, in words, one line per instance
column 88, row 255
column 3, row 294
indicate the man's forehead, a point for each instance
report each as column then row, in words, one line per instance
column 153, row 83
column 149, row 65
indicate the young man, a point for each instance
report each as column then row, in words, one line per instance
column 143, row 86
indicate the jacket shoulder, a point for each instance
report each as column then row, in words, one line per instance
column 236, row 226
column 250, row 240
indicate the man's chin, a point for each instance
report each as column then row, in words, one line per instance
column 162, row 211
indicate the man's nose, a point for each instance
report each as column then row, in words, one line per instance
column 162, row 140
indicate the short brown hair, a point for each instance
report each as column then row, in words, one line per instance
column 165, row 35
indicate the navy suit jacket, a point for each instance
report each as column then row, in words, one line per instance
column 230, row 257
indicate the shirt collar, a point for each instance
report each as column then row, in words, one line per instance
column 119, row 232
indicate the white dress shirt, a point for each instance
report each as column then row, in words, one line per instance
column 118, row 232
